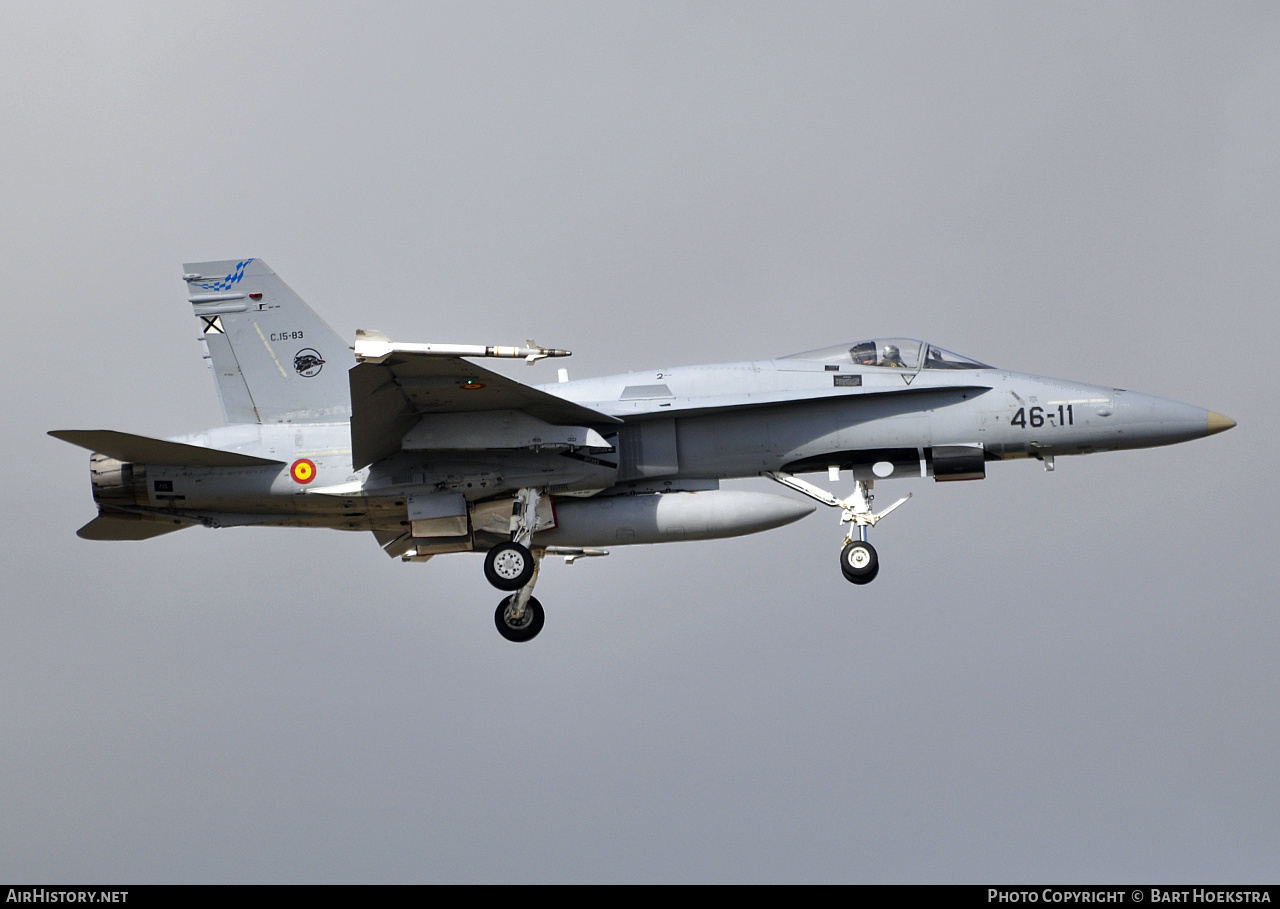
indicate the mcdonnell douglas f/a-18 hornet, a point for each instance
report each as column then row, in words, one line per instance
column 434, row 454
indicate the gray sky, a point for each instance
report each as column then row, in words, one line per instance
column 1056, row 677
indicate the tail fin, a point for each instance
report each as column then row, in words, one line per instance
column 274, row 359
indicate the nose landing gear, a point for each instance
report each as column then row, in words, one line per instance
column 859, row 562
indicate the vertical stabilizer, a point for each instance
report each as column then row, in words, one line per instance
column 274, row 359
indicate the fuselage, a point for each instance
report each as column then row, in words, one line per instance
column 741, row 419
column 435, row 454
column 687, row 428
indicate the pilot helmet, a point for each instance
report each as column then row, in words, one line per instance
column 890, row 352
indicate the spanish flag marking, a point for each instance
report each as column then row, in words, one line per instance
column 303, row 471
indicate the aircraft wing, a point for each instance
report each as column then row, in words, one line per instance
column 389, row 397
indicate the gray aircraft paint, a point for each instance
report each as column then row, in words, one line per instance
column 434, row 451
column 273, row 359
column 1081, row 190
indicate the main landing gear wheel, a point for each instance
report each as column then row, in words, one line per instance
column 524, row 629
column 508, row 566
column 859, row 562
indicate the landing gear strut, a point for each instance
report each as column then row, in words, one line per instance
column 858, row 559
column 512, row 565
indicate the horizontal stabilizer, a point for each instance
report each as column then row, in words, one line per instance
column 127, row 527
column 124, row 446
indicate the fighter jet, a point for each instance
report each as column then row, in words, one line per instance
column 434, row 454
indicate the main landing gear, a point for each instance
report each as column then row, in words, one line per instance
column 519, row 617
column 513, row 565
column 858, row 559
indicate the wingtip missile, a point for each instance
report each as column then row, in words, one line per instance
column 538, row 352
column 375, row 347
column 372, row 346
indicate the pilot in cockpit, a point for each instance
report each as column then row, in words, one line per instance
column 890, row 356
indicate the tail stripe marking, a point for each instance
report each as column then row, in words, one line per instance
column 230, row 280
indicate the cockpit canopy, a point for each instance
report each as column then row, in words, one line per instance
column 892, row 353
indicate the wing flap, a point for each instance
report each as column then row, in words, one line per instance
column 125, row 446
column 394, row 543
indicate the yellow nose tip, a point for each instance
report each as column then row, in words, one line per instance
column 1219, row 423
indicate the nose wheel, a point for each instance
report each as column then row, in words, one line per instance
column 858, row 560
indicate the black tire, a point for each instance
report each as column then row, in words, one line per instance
column 508, row 566
column 866, row 579
column 528, row 629
column 859, row 562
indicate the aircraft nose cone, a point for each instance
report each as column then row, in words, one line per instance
column 1219, row 423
